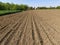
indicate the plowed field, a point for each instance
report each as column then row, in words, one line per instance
column 35, row 27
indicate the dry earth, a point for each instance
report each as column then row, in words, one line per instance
column 35, row 27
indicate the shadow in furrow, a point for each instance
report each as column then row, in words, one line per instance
column 33, row 34
column 5, row 36
column 33, row 37
column 4, row 27
column 32, row 30
column 11, row 36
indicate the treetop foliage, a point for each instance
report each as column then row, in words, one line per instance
column 12, row 6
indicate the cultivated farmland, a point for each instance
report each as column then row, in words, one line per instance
column 34, row 27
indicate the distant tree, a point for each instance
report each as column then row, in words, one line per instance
column 31, row 8
column 1, row 6
column 58, row 7
column 51, row 7
column 41, row 7
column 7, row 6
column 12, row 6
column 23, row 7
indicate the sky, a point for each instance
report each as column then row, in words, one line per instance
column 35, row 3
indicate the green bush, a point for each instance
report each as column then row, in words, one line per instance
column 58, row 7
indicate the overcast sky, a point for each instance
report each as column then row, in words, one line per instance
column 35, row 3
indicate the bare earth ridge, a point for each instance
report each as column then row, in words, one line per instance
column 34, row 27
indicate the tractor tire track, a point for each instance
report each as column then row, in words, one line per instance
column 44, row 30
column 23, row 30
column 38, row 33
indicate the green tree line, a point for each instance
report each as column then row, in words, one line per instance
column 12, row 6
column 58, row 7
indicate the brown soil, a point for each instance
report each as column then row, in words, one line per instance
column 35, row 27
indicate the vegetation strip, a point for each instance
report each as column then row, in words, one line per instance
column 5, row 12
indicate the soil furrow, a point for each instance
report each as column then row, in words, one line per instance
column 37, row 30
column 44, row 27
column 22, row 31
column 13, row 31
column 33, row 27
column 10, row 29
column 14, row 39
column 5, row 27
